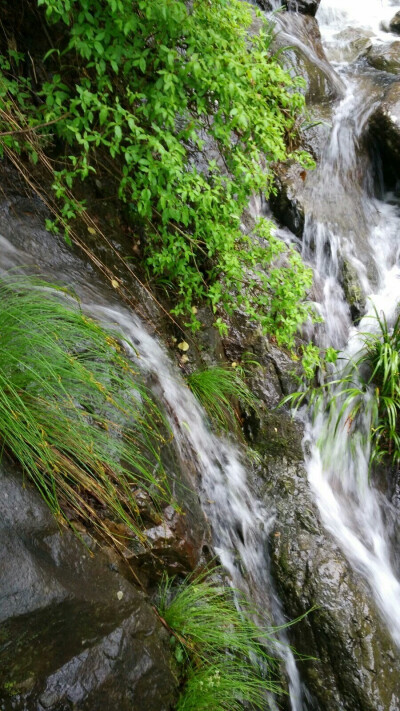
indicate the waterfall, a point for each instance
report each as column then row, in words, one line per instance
column 347, row 222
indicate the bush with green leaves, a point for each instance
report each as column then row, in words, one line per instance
column 367, row 386
column 73, row 410
column 187, row 108
column 220, row 645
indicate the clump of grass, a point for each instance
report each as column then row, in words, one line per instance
column 368, row 386
column 73, row 411
column 219, row 390
column 222, row 647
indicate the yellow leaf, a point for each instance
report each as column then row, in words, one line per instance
column 91, row 230
column 183, row 346
column 114, row 283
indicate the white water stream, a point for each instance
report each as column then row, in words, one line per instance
column 348, row 222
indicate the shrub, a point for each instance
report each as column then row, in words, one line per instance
column 73, row 411
column 152, row 84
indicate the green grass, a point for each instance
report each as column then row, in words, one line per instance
column 219, row 390
column 222, row 648
column 73, row 411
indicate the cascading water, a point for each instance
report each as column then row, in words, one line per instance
column 346, row 223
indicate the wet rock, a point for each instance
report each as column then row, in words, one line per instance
column 394, row 24
column 172, row 546
column 356, row 665
column 349, row 44
column 384, row 131
column 385, row 57
column 286, row 200
column 353, row 290
column 74, row 633
column 306, row 7
column 305, row 57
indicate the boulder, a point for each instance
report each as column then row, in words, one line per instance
column 394, row 24
column 349, row 44
column 305, row 7
column 74, row 633
column 286, row 201
column 300, row 37
column 356, row 665
column 384, row 131
column 353, row 290
column 385, row 57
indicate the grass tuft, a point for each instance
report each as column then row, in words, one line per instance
column 219, row 390
column 223, row 649
column 73, row 410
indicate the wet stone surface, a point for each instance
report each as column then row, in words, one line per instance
column 74, row 634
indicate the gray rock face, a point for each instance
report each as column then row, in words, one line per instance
column 286, row 203
column 394, row 24
column 74, row 634
column 357, row 666
column 384, row 129
column 385, row 57
column 305, row 7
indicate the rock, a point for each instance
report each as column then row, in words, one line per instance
column 286, row 201
column 385, row 57
column 384, row 131
column 353, row 290
column 299, row 35
column 356, row 665
column 305, row 7
column 74, row 633
column 349, row 44
column 394, row 24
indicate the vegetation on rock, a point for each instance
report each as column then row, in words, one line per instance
column 367, row 386
column 183, row 109
column 217, row 388
column 73, row 410
column 221, row 647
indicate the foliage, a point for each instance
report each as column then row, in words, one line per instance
column 217, row 388
column 215, row 632
column 160, row 86
column 73, row 412
column 368, row 386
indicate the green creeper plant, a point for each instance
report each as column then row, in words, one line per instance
column 188, row 109
column 73, row 410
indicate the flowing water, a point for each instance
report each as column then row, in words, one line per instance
column 347, row 222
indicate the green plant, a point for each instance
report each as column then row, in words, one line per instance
column 73, row 410
column 367, row 386
column 217, row 388
column 145, row 86
column 224, row 649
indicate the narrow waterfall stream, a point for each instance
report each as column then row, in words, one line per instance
column 347, row 222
